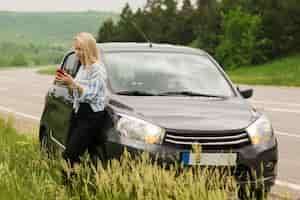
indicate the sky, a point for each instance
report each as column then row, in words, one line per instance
column 68, row 5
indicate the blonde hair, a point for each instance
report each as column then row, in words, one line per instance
column 90, row 52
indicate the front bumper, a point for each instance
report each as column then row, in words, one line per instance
column 256, row 164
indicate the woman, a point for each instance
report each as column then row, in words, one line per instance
column 90, row 93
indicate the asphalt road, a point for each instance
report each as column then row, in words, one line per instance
column 23, row 91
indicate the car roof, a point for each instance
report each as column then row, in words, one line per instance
column 134, row 46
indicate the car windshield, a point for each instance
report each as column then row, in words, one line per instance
column 165, row 73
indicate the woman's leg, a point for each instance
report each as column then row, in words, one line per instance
column 78, row 142
column 83, row 135
column 98, row 137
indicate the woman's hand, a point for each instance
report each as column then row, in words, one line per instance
column 66, row 79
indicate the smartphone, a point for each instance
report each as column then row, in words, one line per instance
column 60, row 71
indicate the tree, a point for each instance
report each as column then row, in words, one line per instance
column 170, row 28
column 126, row 31
column 186, row 23
column 239, row 44
column 291, row 36
column 208, row 27
column 161, row 20
column 107, row 32
column 152, row 22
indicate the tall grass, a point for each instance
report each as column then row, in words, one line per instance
column 27, row 173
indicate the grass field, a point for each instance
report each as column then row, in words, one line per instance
column 27, row 174
column 38, row 38
column 56, row 28
column 281, row 72
column 48, row 70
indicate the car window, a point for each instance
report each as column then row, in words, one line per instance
column 71, row 64
column 159, row 72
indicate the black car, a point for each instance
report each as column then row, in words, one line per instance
column 167, row 99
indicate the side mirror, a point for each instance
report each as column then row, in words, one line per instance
column 245, row 92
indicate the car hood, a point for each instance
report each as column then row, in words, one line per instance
column 187, row 113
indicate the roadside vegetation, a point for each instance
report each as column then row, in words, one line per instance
column 41, row 38
column 238, row 33
column 20, row 55
column 281, row 72
column 253, row 40
column 26, row 173
column 48, row 70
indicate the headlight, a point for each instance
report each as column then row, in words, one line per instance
column 260, row 131
column 137, row 129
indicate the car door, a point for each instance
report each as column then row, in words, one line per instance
column 60, row 103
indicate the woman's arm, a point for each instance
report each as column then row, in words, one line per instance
column 69, row 81
column 76, row 86
column 95, row 87
column 86, row 92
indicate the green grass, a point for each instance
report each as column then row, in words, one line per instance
column 55, row 28
column 27, row 174
column 39, row 38
column 281, row 72
column 48, row 70
column 18, row 54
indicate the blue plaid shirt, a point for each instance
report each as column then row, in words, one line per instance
column 94, row 86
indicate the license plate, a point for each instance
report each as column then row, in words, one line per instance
column 209, row 159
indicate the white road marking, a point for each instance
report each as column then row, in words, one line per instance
column 275, row 103
column 289, row 185
column 266, row 105
column 280, row 110
column 19, row 113
column 287, row 134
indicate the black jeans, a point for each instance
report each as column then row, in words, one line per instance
column 85, row 127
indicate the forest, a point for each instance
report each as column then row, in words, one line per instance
column 236, row 32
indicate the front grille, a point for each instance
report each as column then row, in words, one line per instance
column 208, row 140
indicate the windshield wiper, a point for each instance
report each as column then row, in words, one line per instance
column 190, row 93
column 135, row 93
